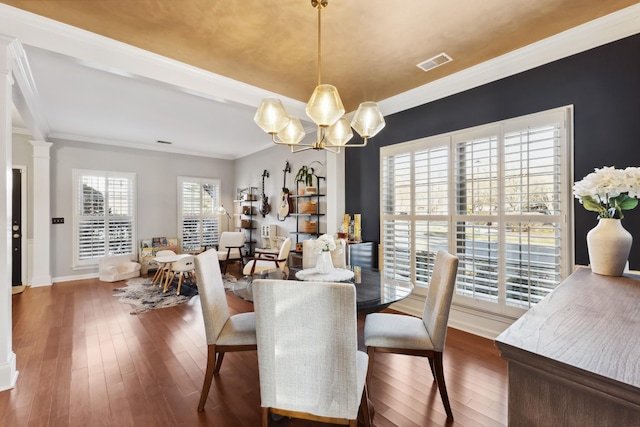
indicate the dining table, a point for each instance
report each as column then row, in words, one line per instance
column 374, row 290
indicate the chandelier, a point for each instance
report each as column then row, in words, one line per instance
column 325, row 109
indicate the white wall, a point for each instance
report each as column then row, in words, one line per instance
column 248, row 172
column 156, row 175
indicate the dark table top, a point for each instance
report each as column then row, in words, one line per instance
column 374, row 292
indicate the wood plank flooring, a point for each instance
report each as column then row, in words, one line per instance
column 84, row 360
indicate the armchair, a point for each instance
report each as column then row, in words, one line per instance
column 263, row 262
column 230, row 247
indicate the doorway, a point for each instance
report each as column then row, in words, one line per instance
column 18, row 224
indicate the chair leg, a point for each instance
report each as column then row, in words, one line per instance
column 219, row 363
column 265, row 417
column 155, row 276
column 433, row 371
column 371, row 352
column 170, row 276
column 437, row 359
column 208, row 376
column 180, row 282
column 241, row 260
column 365, row 412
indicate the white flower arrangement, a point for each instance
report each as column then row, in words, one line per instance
column 324, row 243
column 609, row 191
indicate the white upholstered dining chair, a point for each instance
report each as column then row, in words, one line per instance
column 264, row 262
column 338, row 256
column 308, row 358
column 402, row 334
column 225, row 333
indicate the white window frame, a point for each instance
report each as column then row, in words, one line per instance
column 564, row 116
column 78, row 218
column 202, row 213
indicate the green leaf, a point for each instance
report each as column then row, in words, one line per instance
column 625, row 203
column 591, row 205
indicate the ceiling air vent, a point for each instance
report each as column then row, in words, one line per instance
column 436, row 61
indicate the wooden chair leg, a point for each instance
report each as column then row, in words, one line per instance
column 433, row 371
column 265, row 417
column 180, row 282
column 218, row 363
column 156, row 276
column 437, row 360
column 170, row 276
column 365, row 412
column 370, row 351
column 241, row 260
column 208, row 376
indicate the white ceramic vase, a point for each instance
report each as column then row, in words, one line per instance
column 609, row 245
column 324, row 265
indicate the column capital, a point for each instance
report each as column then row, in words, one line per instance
column 41, row 148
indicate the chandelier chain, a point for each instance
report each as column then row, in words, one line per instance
column 319, row 45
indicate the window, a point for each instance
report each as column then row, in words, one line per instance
column 198, row 221
column 104, row 215
column 497, row 196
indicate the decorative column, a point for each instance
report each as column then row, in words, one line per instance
column 8, row 373
column 41, row 265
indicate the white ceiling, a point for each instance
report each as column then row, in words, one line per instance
column 86, row 103
column 97, row 90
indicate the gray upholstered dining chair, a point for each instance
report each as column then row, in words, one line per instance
column 308, row 358
column 401, row 334
column 225, row 333
column 265, row 262
column 338, row 256
column 230, row 248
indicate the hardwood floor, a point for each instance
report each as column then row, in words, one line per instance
column 84, row 360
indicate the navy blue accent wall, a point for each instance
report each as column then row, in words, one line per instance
column 603, row 85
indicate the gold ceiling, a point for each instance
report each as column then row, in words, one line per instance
column 370, row 48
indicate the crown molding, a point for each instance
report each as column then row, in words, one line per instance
column 612, row 27
column 25, row 98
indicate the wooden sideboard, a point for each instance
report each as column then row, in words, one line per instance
column 574, row 359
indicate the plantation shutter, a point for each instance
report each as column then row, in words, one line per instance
column 497, row 196
column 104, row 220
column 396, row 205
column 199, row 223
column 534, row 224
column 476, row 221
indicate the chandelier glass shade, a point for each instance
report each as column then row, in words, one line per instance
column 327, row 112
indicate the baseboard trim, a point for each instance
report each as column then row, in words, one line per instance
column 8, row 373
column 78, row 277
column 39, row 281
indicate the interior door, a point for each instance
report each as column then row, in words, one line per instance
column 16, row 229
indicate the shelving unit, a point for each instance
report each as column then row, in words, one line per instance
column 308, row 216
column 244, row 213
